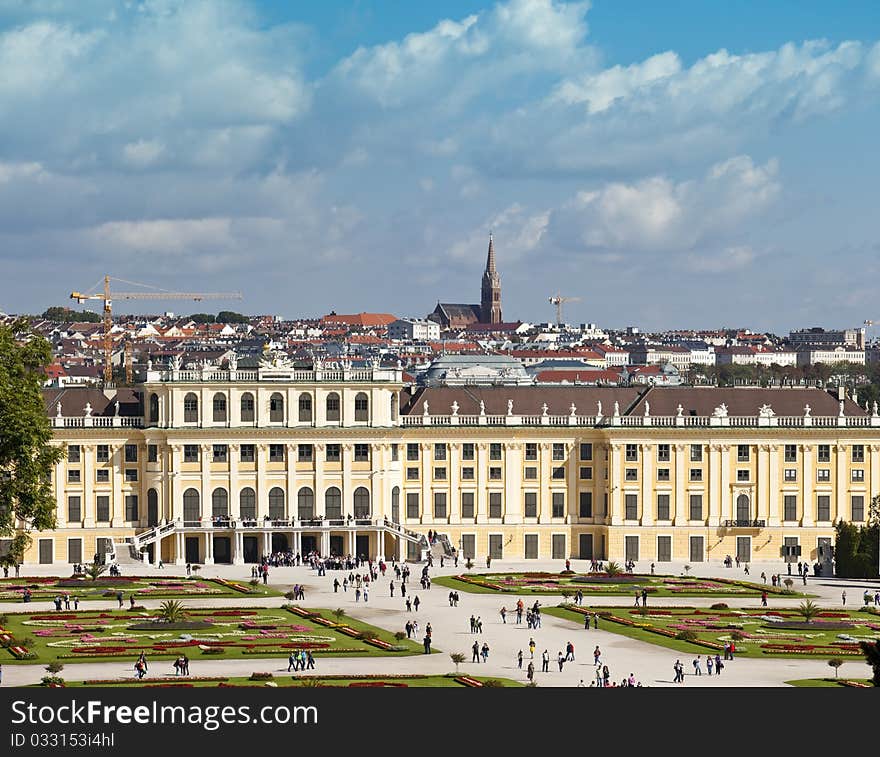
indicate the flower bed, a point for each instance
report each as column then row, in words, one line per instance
column 469, row 682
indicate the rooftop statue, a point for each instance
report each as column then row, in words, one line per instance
column 544, row 410
column 455, row 407
column 720, row 411
column 765, row 411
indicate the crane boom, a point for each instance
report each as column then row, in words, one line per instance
column 557, row 300
column 107, row 297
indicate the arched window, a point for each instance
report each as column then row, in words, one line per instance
column 361, row 503
column 191, row 408
column 305, row 407
column 219, row 408
column 247, row 504
column 743, row 510
column 192, row 510
column 361, row 407
column 333, row 406
column 333, row 503
column 394, row 406
column 276, row 503
column 305, row 504
column 247, row 407
column 220, row 503
column 152, row 507
column 395, row 504
column 276, row 408
column 154, row 408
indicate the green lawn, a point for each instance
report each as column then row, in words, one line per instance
column 712, row 628
column 141, row 587
column 828, row 683
column 594, row 584
column 88, row 636
column 288, row 681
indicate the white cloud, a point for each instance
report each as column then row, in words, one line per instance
column 729, row 259
column 657, row 214
column 10, row 172
column 142, row 153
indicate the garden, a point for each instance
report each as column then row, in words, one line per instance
column 609, row 584
column 173, row 630
column 107, row 587
column 804, row 631
column 272, row 680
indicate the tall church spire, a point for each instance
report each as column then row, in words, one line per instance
column 490, row 299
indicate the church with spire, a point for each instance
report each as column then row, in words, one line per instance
column 460, row 316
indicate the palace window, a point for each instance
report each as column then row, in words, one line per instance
column 333, row 453
column 789, row 507
column 696, row 507
column 440, row 473
column 696, row 474
column 558, row 505
column 858, row 476
column 586, row 451
column 495, row 451
column 696, row 453
column 823, row 474
column 412, row 473
column 467, row 504
column 246, row 453
column 663, row 454
column 276, row 453
column 467, row 451
column 559, row 473
column 190, row 453
column 585, row 473
column 530, row 504
column 305, row 453
column 131, row 453
column 631, row 453
column 790, row 474
column 495, row 504
column 824, row 453
column 558, row 451
column 246, row 407
column 361, row 407
column 585, row 504
column 631, row 506
column 742, row 453
column 530, row 473
column 791, row 453
column 439, row 451
column 467, row 474
column 362, row 453
column 662, row 474
column 742, row 474
column 857, row 507
column 531, row 451
column 858, row 453
column 221, row 453
column 191, row 408
column 663, row 507
column 102, row 453
column 494, row 474
column 412, row 451
column 73, row 453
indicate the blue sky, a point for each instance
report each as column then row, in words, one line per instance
column 672, row 164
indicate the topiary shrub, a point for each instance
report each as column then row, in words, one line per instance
column 720, row 606
column 214, row 650
column 261, row 676
column 52, row 681
column 737, row 635
column 686, row 634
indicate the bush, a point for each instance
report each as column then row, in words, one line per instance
column 52, row 681
column 686, row 635
column 288, row 595
column 54, row 667
column 399, row 635
column 737, row 635
column 264, row 676
column 214, row 650
column 720, row 606
column 492, row 683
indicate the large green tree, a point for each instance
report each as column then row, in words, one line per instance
column 26, row 455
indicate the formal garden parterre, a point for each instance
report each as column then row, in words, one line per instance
column 141, row 587
column 272, row 680
column 755, row 632
column 72, row 637
column 614, row 584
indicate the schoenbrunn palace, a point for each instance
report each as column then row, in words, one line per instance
column 226, row 465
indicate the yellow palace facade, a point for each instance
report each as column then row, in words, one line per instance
column 224, row 466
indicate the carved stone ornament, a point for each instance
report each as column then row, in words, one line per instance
column 807, row 410
column 455, row 408
column 233, row 362
column 647, row 408
column 678, row 411
column 874, row 408
column 841, row 409
column 572, row 409
column 57, row 409
column 598, row 408
column 720, row 411
column 176, row 362
column 544, row 410
column 765, row 411
column 510, row 407
column 425, row 408
column 88, row 410
column 616, row 409
column 482, row 407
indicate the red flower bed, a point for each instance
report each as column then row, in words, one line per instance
column 377, row 685
column 470, row 682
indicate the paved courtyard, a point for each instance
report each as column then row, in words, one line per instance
column 652, row 665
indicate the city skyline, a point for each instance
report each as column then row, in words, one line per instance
column 669, row 179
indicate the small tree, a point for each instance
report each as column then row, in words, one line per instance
column 54, row 667
column 339, row 614
column 457, row 658
column 96, row 570
column 687, row 569
column 171, row 611
column 871, row 650
column 835, row 662
column 808, row 610
column 613, row 569
column 399, row 635
column 788, row 584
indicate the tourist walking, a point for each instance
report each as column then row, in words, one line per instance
column 545, row 662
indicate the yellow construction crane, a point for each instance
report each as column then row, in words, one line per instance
column 557, row 300
column 157, row 294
